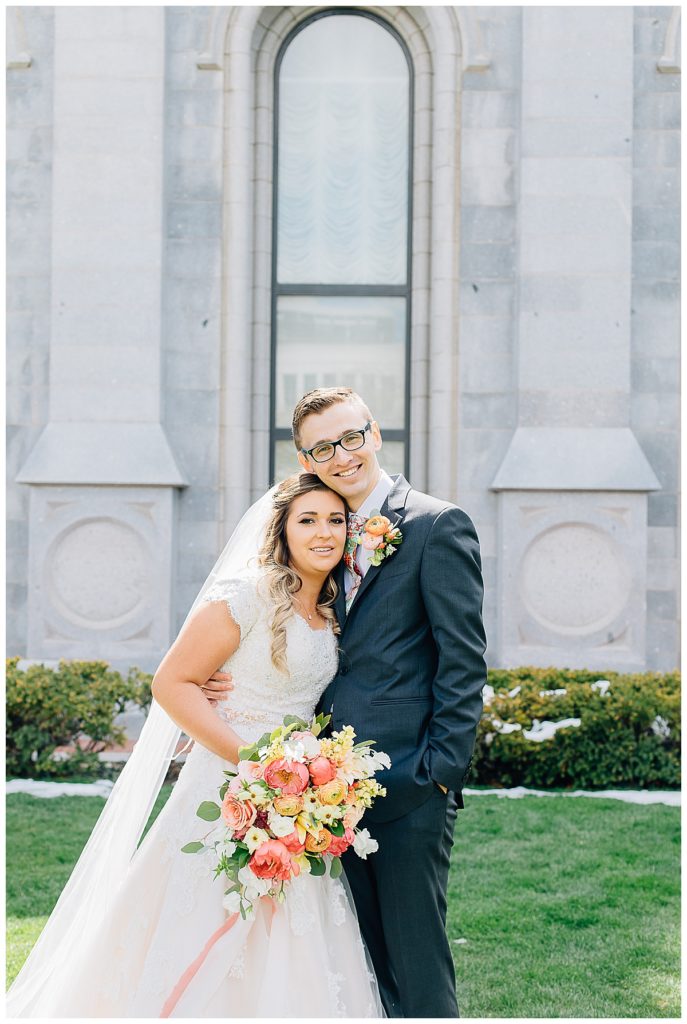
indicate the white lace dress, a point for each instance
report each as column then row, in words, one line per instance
column 302, row 958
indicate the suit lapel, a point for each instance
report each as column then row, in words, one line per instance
column 340, row 603
column 394, row 509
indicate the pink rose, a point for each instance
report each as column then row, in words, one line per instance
column 272, row 860
column 290, row 777
column 321, row 770
column 249, row 770
column 237, row 814
column 340, row 844
column 371, row 543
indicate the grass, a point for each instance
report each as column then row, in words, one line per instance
column 570, row 907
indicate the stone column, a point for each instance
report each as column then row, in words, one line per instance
column 573, row 485
column 102, row 475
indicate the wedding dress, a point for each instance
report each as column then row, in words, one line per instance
column 300, row 958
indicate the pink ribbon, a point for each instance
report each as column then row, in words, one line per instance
column 191, row 971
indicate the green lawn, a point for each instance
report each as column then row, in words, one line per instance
column 570, row 907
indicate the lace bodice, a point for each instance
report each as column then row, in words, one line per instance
column 262, row 695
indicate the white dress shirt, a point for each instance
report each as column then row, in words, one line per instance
column 373, row 501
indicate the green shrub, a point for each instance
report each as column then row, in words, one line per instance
column 73, row 705
column 629, row 737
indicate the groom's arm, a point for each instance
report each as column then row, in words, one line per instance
column 452, row 590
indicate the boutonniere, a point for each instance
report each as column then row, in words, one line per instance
column 379, row 537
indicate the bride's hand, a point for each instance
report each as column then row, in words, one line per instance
column 217, row 687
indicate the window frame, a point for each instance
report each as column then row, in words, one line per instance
column 338, row 290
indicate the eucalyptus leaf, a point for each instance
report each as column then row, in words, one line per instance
column 317, row 866
column 192, row 847
column 335, row 869
column 208, row 811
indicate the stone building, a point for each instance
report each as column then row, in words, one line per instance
column 468, row 213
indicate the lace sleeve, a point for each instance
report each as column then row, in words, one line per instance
column 241, row 598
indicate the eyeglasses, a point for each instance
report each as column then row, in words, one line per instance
column 350, row 442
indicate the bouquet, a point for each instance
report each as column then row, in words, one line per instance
column 293, row 805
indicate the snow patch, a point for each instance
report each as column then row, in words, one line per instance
column 671, row 798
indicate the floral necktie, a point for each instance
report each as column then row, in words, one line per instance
column 353, row 530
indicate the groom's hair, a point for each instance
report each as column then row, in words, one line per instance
column 319, row 400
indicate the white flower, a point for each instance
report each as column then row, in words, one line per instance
column 602, row 685
column 375, row 760
column 280, row 824
column 364, row 843
column 515, row 691
column 294, row 750
column 232, row 901
column 253, row 887
column 258, row 794
column 311, row 744
column 487, row 693
column 327, row 814
column 551, row 693
column 310, row 801
column 254, row 838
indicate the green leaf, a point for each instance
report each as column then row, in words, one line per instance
column 335, row 869
column 336, row 828
column 223, row 790
column 208, row 811
column 317, row 866
column 295, row 721
column 192, row 847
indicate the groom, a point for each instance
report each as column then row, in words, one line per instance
column 411, row 672
column 410, row 676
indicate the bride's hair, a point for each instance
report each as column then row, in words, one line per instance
column 282, row 581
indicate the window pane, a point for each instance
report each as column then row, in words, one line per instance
column 355, row 341
column 343, row 155
column 391, row 458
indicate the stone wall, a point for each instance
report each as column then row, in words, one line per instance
column 655, row 318
column 546, row 358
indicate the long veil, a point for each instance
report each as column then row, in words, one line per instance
column 102, row 866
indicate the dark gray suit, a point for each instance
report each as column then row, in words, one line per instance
column 411, row 672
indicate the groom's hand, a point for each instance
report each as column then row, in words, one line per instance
column 218, row 686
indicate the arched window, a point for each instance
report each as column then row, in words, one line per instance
column 341, row 267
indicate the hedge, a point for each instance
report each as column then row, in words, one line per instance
column 72, row 705
column 628, row 733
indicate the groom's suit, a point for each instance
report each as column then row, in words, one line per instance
column 411, row 673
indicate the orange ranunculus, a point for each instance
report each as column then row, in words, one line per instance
column 289, row 805
column 332, row 792
column 271, row 860
column 320, row 843
column 377, row 525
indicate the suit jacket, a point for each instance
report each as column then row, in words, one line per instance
column 411, row 663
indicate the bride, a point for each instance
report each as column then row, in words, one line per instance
column 129, row 936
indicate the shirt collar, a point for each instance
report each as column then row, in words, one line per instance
column 377, row 497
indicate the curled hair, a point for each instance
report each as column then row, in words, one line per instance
column 282, row 581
